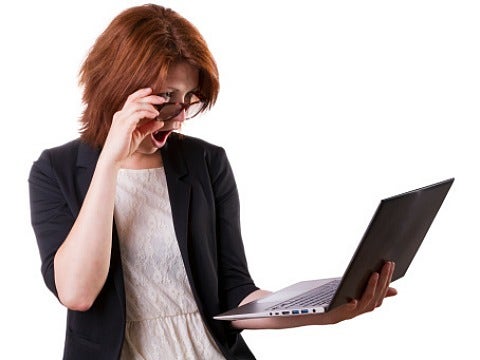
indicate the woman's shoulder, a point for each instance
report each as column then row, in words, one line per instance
column 66, row 148
column 69, row 153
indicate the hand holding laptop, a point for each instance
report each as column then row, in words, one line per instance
column 378, row 288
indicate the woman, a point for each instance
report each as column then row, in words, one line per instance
column 137, row 226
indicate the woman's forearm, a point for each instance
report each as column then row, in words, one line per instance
column 82, row 262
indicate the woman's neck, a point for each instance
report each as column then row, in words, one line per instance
column 138, row 161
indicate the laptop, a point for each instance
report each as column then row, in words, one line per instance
column 395, row 233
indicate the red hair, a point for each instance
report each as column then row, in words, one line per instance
column 135, row 51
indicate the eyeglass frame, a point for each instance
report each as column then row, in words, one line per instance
column 183, row 106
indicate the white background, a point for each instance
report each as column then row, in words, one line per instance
column 325, row 107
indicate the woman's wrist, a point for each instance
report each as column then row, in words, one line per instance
column 108, row 163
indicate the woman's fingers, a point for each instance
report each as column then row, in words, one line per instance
column 368, row 299
column 139, row 105
column 391, row 292
column 144, row 96
column 138, row 95
column 133, row 112
column 384, row 281
column 377, row 289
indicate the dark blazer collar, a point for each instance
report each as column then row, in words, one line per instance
column 87, row 155
column 179, row 188
column 173, row 156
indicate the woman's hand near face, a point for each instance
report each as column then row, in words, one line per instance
column 131, row 124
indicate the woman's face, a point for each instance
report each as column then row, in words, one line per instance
column 180, row 85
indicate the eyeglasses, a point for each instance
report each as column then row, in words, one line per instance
column 168, row 110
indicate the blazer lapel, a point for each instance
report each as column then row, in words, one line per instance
column 86, row 161
column 179, row 188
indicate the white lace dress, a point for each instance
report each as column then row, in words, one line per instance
column 163, row 321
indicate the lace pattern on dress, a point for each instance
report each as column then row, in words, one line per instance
column 163, row 321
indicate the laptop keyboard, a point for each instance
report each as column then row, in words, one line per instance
column 319, row 296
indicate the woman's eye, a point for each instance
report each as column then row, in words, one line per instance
column 191, row 98
column 166, row 95
column 187, row 99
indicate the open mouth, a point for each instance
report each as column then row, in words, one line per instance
column 160, row 137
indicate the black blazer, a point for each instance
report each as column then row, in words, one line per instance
column 205, row 210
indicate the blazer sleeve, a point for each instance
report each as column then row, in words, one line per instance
column 50, row 215
column 234, row 276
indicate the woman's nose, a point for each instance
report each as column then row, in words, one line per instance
column 181, row 117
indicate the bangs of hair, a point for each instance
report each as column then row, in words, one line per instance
column 135, row 51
